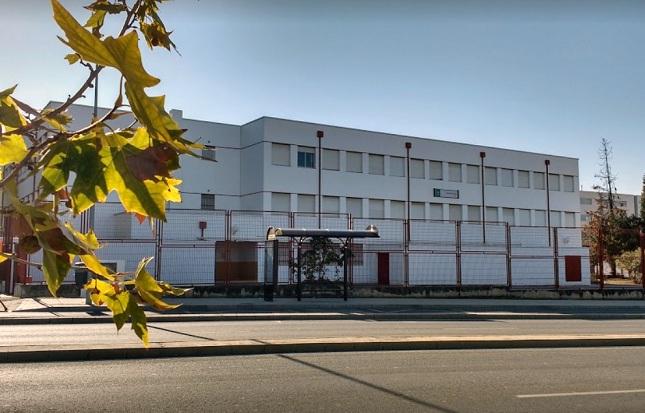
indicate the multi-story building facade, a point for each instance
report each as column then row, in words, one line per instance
column 589, row 202
column 271, row 164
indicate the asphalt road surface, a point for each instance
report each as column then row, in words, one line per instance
column 541, row 380
column 59, row 334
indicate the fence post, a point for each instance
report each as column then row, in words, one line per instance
column 509, row 267
column 458, row 253
column 556, row 259
column 406, row 253
column 601, row 259
column 642, row 244
column 158, row 247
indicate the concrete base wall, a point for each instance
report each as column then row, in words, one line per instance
column 257, row 291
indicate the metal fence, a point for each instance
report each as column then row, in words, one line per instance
column 199, row 247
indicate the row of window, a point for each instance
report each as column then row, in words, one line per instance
column 376, row 209
column 330, row 160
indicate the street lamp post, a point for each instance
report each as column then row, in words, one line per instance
column 548, row 198
column 320, row 134
column 408, row 145
column 482, row 155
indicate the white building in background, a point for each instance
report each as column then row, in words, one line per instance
column 271, row 164
column 589, row 202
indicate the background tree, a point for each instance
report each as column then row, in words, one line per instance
column 84, row 166
column 643, row 204
column 607, row 186
column 630, row 261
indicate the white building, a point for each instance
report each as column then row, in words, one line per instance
column 589, row 202
column 270, row 164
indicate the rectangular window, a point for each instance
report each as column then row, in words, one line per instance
column 417, row 169
column 540, row 218
column 454, row 212
column 355, row 207
column 377, row 208
column 472, row 174
column 436, row 211
column 208, row 152
column 280, row 154
column 208, row 201
column 490, row 175
column 354, row 162
column 474, row 213
column 586, row 201
column 492, row 214
column 523, row 180
column 331, row 160
column 555, row 219
column 568, row 183
column 397, row 209
column 418, row 210
column 525, row 217
column 507, row 177
column 331, row 204
column 280, row 202
column 569, row 219
column 306, row 157
column 554, row 182
column 397, row 166
column 583, row 217
column 508, row 214
column 436, row 170
column 376, row 164
column 454, row 172
column 538, row 180
column 306, row 203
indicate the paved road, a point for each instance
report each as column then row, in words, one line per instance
column 15, row 335
column 554, row 380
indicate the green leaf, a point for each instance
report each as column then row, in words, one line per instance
column 12, row 149
column 150, row 112
column 148, row 288
column 121, row 53
column 103, row 5
column 57, row 121
column 138, row 320
column 7, row 92
column 96, row 19
column 80, row 40
column 72, row 58
column 55, row 269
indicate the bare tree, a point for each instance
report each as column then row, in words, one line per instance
column 607, row 186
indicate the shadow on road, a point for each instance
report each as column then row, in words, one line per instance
column 373, row 386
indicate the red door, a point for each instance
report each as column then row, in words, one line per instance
column 383, row 268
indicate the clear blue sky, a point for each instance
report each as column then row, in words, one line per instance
column 547, row 76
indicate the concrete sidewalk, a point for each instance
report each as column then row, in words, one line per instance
column 74, row 310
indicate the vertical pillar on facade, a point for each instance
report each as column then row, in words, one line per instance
column 482, row 155
column 458, row 254
column 548, row 197
column 509, row 263
column 320, row 134
column 406, row 254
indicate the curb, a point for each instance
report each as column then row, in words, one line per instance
column 460, row 316
column 254, row 347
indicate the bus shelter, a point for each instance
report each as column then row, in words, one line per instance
column 301, row 236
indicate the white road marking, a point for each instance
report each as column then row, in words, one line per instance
column 584, row 393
